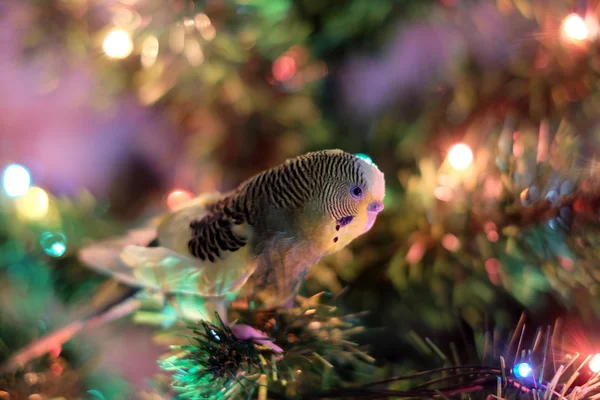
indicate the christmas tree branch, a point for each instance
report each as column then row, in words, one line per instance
column 206, row 367
column 584, row 205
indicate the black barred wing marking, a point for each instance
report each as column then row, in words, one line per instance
column 216, row 233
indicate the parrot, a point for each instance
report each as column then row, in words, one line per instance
column 255, row 242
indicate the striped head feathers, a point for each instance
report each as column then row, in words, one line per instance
column 344, row 195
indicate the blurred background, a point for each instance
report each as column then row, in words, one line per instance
column 483, row 115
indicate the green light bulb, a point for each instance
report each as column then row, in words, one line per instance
column 54, row 243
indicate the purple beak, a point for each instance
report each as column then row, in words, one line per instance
column 375, row 206
column 372, row 210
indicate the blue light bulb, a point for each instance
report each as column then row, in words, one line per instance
column 522, row 370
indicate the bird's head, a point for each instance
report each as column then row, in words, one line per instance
column 349, row 192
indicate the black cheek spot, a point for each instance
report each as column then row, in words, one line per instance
column 345, row 220
column 337, row 227
column 335, row 239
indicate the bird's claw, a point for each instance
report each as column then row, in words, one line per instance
column 246, row 332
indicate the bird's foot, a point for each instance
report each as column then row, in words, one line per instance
column 246, row 332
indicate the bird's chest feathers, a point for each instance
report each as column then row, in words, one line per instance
column 329, row 235
column 295, row 242
column 291, row 252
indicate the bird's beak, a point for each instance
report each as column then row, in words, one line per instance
column 375, row 206
column 373, row 209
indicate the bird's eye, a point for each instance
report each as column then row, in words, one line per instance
column 356, row 192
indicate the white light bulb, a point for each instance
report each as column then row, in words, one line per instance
column 575, row 27
column 460, row 156
column 118, row 44
column 16, row 180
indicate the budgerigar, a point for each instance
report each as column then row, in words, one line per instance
column 257, row 241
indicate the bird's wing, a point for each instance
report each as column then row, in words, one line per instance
column 174, row 229
column 159, row 267
column 104, row 256
column 198, row 252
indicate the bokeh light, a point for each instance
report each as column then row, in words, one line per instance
column 284, row 68
column 451, row 242
column 202, row 21
column 493, row 236
column 178, row 197
column 118, row 44
column 522, row 370
column 205, row 26
column 16, row 180
column 34, row 204
column 443, row 193
column 595, row 364
column 567, row 263
column 575, row 28
column 460, row 156
column 493, row 269
column 415, row 252
column 193, row 52
column 54, row 243
column 150, row 49
column 208, row 33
